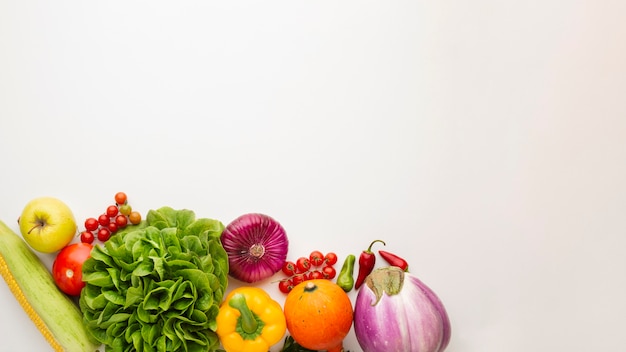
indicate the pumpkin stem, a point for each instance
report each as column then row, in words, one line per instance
column 310, row 287
column 247, row 321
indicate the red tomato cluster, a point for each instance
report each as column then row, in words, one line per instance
column 315, row 266
column 115, row 217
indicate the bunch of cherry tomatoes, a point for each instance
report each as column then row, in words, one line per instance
column 115, row 217
column 315, row 266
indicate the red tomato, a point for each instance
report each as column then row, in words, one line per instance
column 104, row 220
column 112, row 211
column 113, row 227
column 316, row 275
column 303, row 265
column 330, row 258
column 67, row 268
column 296, row 279
column 121, row 220
column 285, row 285
column 87, row 237
column 104, row 234
column 91, row 224
column 289, row 268
column 316, row 258
column 329, row 272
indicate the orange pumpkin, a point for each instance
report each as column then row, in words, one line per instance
column 319, row 315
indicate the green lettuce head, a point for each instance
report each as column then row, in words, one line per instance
column 157, row 286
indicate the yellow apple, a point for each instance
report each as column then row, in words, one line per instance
column 47, row 224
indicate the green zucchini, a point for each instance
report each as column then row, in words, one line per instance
column 54, row 313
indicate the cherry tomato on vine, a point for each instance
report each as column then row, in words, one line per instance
column 134, row 217
column 121, row 220
column 316, row 258
column 104, row 220
column 91, row 224
column 316, row 274
column 120, row 198
column 104, row 234
column 112, row 227
column 67, row 267
column 285, row 286
column 297, row 279
column 303, row 265
column 112, row 210
column 289, row 268
column 330, row 258
column 87, row 237
column 126, row 209
column 329, row 272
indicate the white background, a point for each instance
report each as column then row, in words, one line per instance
column 483, row 140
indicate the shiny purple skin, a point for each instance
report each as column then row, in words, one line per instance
column 413, row 320
column 256, row 245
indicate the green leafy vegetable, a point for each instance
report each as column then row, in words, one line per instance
column 291, row 345
column 157, row 286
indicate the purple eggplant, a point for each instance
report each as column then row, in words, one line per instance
column 395, row 311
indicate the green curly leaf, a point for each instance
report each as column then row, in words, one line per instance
column 156, row 286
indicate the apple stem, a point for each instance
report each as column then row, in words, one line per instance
column 38, row 224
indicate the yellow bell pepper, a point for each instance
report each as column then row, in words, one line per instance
column 249, row 320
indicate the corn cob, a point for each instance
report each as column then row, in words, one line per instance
column 55, row 315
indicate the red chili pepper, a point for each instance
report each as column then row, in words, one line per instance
column 367, row 260
column 394, row 260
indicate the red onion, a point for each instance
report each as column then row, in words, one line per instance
column 395, row 311
column 256, row 245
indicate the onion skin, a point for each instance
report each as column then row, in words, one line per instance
column 395, row 311
column 256, row 245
